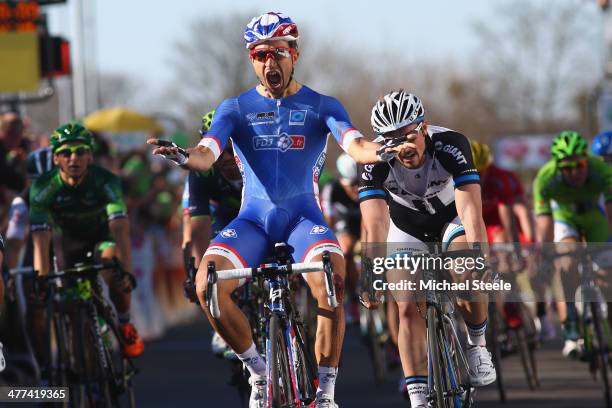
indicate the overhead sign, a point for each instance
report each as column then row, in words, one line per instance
column 20, row 67
column 524, row 152
column 21, row 16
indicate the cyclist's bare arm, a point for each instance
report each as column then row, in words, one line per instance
column 120, row 230
column 375, row 220
column 469, row 208
column 544, row 228
column 374, row 229
column 41, row 241
column 201, row 228
column 505, row 216
column 363, row 151
column 521, row 211
column 14, row 247
column 201, row 158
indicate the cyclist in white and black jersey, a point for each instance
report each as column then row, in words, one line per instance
column 429, row 190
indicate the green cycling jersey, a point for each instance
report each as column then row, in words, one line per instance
column 578, row 207
column 81, row 212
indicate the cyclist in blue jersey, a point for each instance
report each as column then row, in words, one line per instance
column 279, row 132
column 602, row 145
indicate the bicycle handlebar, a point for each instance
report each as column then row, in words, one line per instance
column 267, row 270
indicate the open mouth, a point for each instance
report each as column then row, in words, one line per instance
column 408, row 155
column 274, row 79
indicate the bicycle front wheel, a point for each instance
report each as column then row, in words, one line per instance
column 602, row 351
column 280, row 372
column 436, row 383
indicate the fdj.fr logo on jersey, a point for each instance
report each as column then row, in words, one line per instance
column 318, row 229
column 229, row 233
column 282, row 142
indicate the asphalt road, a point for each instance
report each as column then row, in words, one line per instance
column 179, row 371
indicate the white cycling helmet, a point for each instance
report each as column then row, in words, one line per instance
column 396, row 110
column 347, row 167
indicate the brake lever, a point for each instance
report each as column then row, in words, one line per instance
column 329, row 280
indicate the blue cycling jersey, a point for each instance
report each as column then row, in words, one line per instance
column 279, row 146
column 280, row 143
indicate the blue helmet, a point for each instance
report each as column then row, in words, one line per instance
column 270, row 26
column 602, row 144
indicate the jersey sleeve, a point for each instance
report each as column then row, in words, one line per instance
column 338, row 122
column 18, row 220
column 225, row 120
column 326, row 200
column 541, row 203
column 113, row 193
column 452, row 149
column 371, row 181
column 199, row 198
column 185, row 197
column 40, row 217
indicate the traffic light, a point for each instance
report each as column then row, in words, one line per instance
column 54, row 56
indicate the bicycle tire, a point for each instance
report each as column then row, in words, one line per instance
column 306, row 367
column 602, row 351
column 523, row 346
column 91, row 367
column 280, row 376
column 436, row 383
column 376, row 349
column 496, row 350
column 58, row 365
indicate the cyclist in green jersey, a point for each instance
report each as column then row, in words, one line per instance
column 572, row 194
column 83, row 204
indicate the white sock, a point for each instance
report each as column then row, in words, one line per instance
column 253, row 361
column 476, row 333
column 327, row 381
column 417, row 390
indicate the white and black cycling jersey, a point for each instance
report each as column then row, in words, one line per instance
column 422, row 200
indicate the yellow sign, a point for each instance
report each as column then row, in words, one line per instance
column 19, row 70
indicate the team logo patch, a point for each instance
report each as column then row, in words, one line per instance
column 282, row 142
column 297, row 117
column 318, row 229
column 260, row 118
column 229, row 233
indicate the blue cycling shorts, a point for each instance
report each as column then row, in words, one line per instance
column 249, row 239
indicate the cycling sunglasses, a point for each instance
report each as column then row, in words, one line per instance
column 398, row 140
column 67, row 151
column 262, row 55
column 580, row 164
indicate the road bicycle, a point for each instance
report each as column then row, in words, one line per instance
column 84, row 342
column 291, row 368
